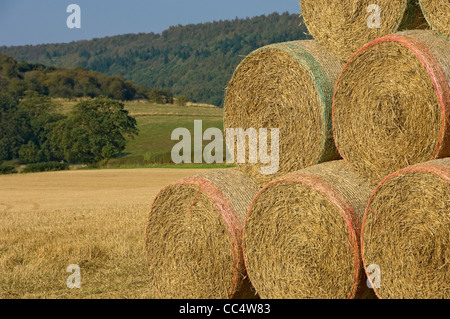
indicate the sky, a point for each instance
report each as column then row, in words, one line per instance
column 31, row 22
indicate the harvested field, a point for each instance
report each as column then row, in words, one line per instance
column 94, row 219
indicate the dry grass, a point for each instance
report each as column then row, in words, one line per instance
column 392, row 102
column 288, row 86
column 95, row 219
column 194, row 237
column 437, row 13
column 301, row 238
column 406, row 232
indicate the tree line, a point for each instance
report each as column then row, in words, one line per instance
column 33, row 131
column 23, row 79
column 194, row 60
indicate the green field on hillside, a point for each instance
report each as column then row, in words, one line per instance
column 153, row 145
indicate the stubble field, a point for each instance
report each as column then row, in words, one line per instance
column 95, row 219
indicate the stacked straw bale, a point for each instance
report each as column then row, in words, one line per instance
column 392, row 104
column 406, row 233
column 194, row 237
column 298, row 233
column 288, row 86
column 437, row 13
column 302, row 235
column 342, row 25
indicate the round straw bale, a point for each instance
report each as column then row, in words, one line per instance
column 392, row 104
column 287, row 86
column 437, row 13
column 302, row 235
column 344, row 26
column 194, row 237
column 406, row 233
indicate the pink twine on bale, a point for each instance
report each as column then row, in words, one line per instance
column 441, row 171
column 437, row 75
column 346, row 211
column 230, row 219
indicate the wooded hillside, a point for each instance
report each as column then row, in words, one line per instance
column 194, row 60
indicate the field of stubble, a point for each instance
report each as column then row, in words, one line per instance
column 93, row 219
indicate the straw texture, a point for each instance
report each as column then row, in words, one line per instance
column 437, row 13
column 392, row 104
column 194, row 237
column 406, row 232
column 288, row 86
column 342, row 25
column 302, row 234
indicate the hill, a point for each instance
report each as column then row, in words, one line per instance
column 25, row 79
column 194, row 60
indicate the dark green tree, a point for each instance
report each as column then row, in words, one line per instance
column 14, row 128
column 17, row 88
column 161, row 96
column 181, row 100
column 42, row 117
column 61, row 84
column 120, row 90
column 30, row 153
column 95, row 130
column 35, row 82
column 8, row 67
